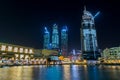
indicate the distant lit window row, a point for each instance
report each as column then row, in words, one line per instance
column 15, row 49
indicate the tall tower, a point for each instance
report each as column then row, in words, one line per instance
column 89, row 44
column 64, row 41
column 46, row 38
column 55, row 37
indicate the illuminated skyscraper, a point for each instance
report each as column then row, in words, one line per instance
column 64, row 41
column 46, row 38
column 55, row 37
column 89, row 44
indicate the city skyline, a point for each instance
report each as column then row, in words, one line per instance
column 22, row 22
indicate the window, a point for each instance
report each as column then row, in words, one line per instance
column 21, row 50
column 9, row 48
column 26, row 50
column 30, row 51
column 3, row 47
column 16, row 49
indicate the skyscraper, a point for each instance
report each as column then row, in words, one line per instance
column 55, row 37
column 89, row 44
column 64, row 41
column 46, row 38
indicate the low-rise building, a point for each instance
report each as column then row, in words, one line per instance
column 16, row 51
column 111, row 53
column 21, row 52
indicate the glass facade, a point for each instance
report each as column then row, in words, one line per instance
column 64, row 41
column 89, row 44
column 55, row 37
column 46, row 38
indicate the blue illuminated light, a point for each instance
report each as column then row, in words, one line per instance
column 46, row 38
column 46, row 30
column 73, row 51
column 97, row 14
column 65, row 29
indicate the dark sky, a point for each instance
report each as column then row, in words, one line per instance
column 21, row 22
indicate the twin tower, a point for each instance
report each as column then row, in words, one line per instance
column 56, row 40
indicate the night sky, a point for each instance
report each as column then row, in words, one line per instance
column 22, row 22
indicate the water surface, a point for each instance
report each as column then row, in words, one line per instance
column 60, row 72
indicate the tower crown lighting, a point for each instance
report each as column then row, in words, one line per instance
column 64, row 29
column 46, row 30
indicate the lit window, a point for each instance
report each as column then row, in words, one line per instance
column 3, row 47
column 4, row 53
column 21, row 50
column 26, row 50
column 21, row 56
column 9, row 48
column 16, row 49
column 16, row 55
column 30, row 51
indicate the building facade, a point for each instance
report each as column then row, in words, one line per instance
column 15, row 51
column 55, row 37
column 46, row 38
column 64, row 41
column 89, row 44
column 111, row 53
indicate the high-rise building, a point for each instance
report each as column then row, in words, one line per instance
column 64, row 41
column 89, row 44
column 46, row 38
column 55, row 37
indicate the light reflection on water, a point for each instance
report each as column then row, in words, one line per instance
column 16, row 73
column 60, row 72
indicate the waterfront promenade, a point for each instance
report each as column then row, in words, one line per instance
column 45, row 62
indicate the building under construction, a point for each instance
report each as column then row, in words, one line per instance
column 64, row 41
column 55, row 37
column 89, row 44
column 46, row 38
